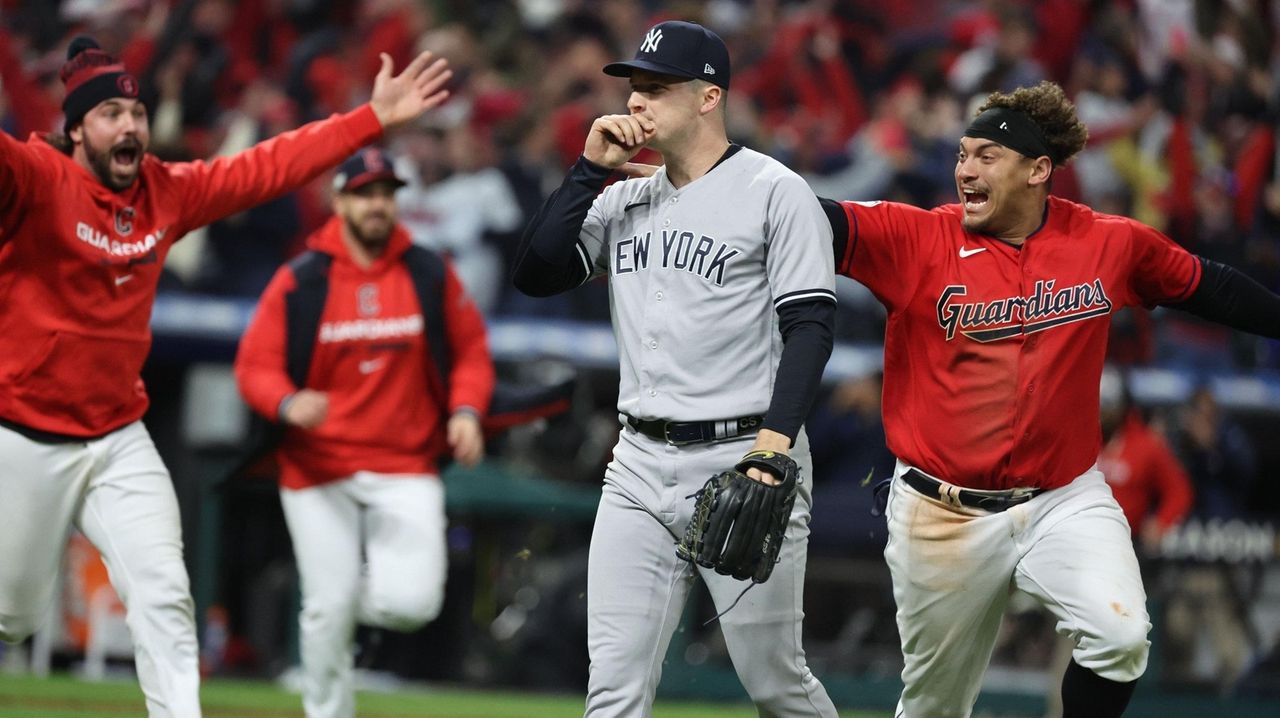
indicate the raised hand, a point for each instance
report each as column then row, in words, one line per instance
column 399, row 99
column 615, row 139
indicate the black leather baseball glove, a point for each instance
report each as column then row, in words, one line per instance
column 738, row 523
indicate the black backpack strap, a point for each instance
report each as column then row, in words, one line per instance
column 303, row 307
column 428, row 272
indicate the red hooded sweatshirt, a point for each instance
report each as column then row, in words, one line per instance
column 1145, row 476
column 371, row 359
column 79, row 263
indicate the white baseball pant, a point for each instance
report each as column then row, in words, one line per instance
column 954, row 567
column 398, row 523
column 637, row 587
column 118, row 493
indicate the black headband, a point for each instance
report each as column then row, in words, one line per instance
column 1013, row 129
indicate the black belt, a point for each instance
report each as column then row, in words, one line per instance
column 680, row 433
column 47, row 437
column 986, row 500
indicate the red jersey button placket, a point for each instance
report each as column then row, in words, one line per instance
column 1026, row 344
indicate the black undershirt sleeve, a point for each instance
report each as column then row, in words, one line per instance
column 839, row 227
column 547, row 259
column 1230, row 297
column 807, row 329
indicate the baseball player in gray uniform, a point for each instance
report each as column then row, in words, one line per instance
column 721, row 291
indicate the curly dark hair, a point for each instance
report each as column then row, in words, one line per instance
column 1047, row 105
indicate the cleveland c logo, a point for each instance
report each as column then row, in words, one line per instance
column 124, row 221
column 372, row 160
column 367, row 300
column 127, row 85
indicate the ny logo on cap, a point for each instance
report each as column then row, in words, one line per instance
column 651, row 40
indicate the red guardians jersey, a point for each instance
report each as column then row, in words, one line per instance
column 993, row 353
column 79, row 263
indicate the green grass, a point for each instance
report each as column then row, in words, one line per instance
column 66, row 697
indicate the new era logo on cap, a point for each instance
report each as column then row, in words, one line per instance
column 683, row 49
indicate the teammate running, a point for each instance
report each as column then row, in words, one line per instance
column 720, row 278
column 999, row 308
column 86, row 219
column 396, row 375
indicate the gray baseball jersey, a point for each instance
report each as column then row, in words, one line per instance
column 696, row 277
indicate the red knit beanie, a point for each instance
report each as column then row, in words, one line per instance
column 92, row 76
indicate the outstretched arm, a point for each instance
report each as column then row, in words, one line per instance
column 19, row 177
column 1228, row 296
column 209, row 191
column 839, row 229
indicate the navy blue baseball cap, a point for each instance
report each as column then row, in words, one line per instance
column 368, row 165
column 679, row 48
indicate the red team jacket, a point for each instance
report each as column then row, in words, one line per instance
column 1145, row 476
column 372, row 359
column 992, row 352
column 79, row 263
